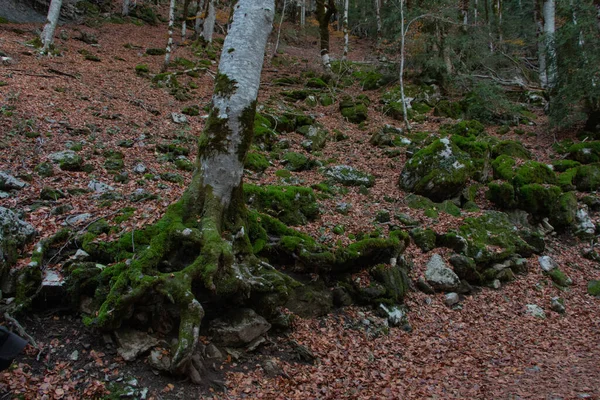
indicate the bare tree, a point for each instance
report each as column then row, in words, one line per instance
column 324, row 13
column 209, row 22
column 199, row 20
column 47, row 35
column 125, row 11
column 170, row 34
column 345, row 28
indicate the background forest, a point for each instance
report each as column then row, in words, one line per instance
column 409, row 209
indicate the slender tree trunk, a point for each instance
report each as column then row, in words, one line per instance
column 209, row 22
column 302, row 13
column 402, row 57
column 279, row 28
column 199, row 20
column 324, row 13
column 542, row 68
column 184, row 17
column 549, row 30
column 169, row 48
column 125, row 11
column 345, row 27
column 464, row 10
column 476, row 11
column 378, row 19
column 47, row 35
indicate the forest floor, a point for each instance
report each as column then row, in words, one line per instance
column 487, row 348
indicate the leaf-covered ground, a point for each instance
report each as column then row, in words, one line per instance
column 488, row 348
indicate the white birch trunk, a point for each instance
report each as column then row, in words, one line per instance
column 302, row 13
column 209, row 22
column 402, row 55
column 47, row 35
column 345, row 27
column 183, row 30
column 475, row 11
column 125, row 11
column 548, row 11
column 279, row 29
column 222, row 171
column 170, row 40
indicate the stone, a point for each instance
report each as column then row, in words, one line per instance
column 349, row 176
column 179, row 118
column 424, row 287
column 77, row 219
column 14, row 235
column 159, row 361
column 593, row 288
column 439, row 171
column 139, row 168
column 132, row 343
column 535, row 311
column 80, row 255
column 547, row 263
column 238, row 328
column 272, row 368
column 4, row 195
column 213, row 351
column 99, row 187
column 439, row 276
column 68, row 160
column 496, row 284
column 74, row 356
column 465, row 268
column 451, row 299
column 396, row 316
column 557, row 304
column 9, row 182
column 584, row 226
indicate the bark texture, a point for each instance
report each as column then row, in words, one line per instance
column 209, row 22
column 52, row 20
column 324, row 13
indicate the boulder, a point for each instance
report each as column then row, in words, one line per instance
column 584, row 226
column 439, row 276
column 557, row 305
column 439, row 171
column 547, row 263
column 593, row 288
column 451, row 299
column 9, row 182
column 132, row 343
column 14, row 234
column 349, row 176
column 67, row 160
column 99, row 187
column 238, row 328
column 535, row 311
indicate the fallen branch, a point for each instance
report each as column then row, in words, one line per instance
column 55, row 71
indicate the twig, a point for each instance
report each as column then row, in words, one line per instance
column 55, row 71
column 20, row 329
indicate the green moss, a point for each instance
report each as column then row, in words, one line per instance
column 292, row 205
column 446, row 108
column 534, row 172
column 501, row 194
column 587, row 178
column 564, row 165
column 559, row 277
column 424, row 238
column 296, row 161
column 565, row 180
column 193, row 110
column 114, row 164
column 295, row 95
column 224, row 86
column 156, row 52
column 256, row 162
column 348, row 176
column 394, row 280
column 538, row 200
column 464, row 128
column 593, row 288
column 45, row 170
column 585, row 153
column 504, row 167
column 173, row 149
column 49, row 193
column 511, row 148
column 183, row 164
column 316, row 83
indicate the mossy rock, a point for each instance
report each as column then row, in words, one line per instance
column 559, row 277
column 565, row 211
column 45, row 170
column 467, row 128
column 512, row 149
column 587, row 178
column 292, row 205
column 585, row 153
column 420, row 107
column 67, row 160
column 565, row 180
column 286, row 81
column 448, row 109
column 349, row 176
column 439, row 171
column 156, row 51
column 564, row 165
column 316, row 83
column 256, row 162
column 297, row 161
column 183, row 164
column 326, row 100
column 502, row 194
column 425, row 239
column 394, row 279
column 354, row 110
column 172, row 177
column 504, row 167
column 492, row 238
column 534, row 172
column 191, row 110
column 114, row 164
column 264, row 134
column 466, row 268
column 316, row 137
column 49, row 193
column 145, row 13
column 295, row 95
column 372, row 79
column 538, row 200
column 173, row 149
column 593, row 288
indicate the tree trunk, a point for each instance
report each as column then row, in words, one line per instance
column 345, row 27
column 550, row 47
column 378, row 19
column 184, row 17
column 324, row 13
column 125, row 11
column 209, row 22
column 302, row 13
column 169, row 48
column 403, row 33
column 47, row 35
column 279, row 28
column 199, row 20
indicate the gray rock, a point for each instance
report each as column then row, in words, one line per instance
column 349, row 176
column 424, row 287
column 535, row 311
column 439, row 276
column 99, row 187
column 9, row 182
column 80, row 255
column 74, row 356
column 132, row 343
column 14, row 234
column 396, row 316
column 77, row 219
column 557, row 304
column 496, row 284
column 139, row 168
column 451, row 299
column 547, row 263
column 179, row 118
column 238, row 328
column 67, row 159
column 4, row 195
column 52, row 278
column 584, row 226
column 213, row 351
